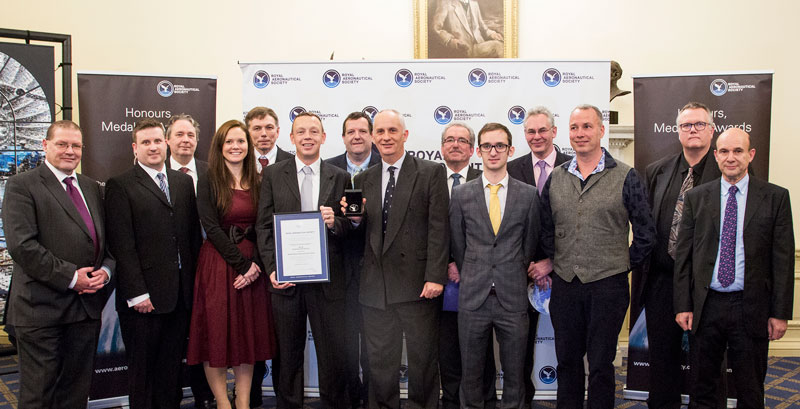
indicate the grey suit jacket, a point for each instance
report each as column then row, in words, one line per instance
column 484, row 258
column 48, row 241
column 768, row 253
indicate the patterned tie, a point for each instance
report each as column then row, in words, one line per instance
column 727, row 249
column 542, row 176
column 456, row 180
column 307, row 190
column 494, row 207
column 184, row 169
column 162, row 183
column 687, row 184
column 264, row 161
column 75, row 195
column 387, row 197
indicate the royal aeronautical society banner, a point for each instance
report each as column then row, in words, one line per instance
column 431, row 95
column 736, row 99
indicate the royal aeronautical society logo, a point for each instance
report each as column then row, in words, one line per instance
column 516, row 115
column 718, row 87
column 443, row 115
column 548, row 375
column 295, row 112
column 477, row 77
column 551, row 77
column 403, row 78
column 165, row 88
column 370, row 111
column 331, row 78
column 260, row 79
column 403, row 373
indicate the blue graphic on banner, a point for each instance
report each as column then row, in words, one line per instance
column 477, row 77
column 370, row 111
column 551, row 77
column 403, row 77
column 165, row 88
column 331, row 78
column 548, row 374
column 443, row 115
column 260, row 79
column 719, row 87
column 516, row 115
column 294, row 112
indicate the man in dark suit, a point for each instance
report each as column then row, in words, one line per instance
column 262, row 123
column 494, row 224
column 53, row 220
column 155, row 233
column 312, row 186
column 405, row 266
column 534, row 169
column 734, row 273
column 358, row 156
column 458, row 142
column 668, row 180
column 183, row 133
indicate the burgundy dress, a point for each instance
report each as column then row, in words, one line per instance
column 230, row 327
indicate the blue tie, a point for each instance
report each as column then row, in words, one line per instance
column 456, row 179
column 162, row 183
column 727, row 250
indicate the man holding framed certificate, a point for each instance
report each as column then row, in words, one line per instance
column 294, row 242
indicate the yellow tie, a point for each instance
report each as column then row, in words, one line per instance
column 494, row 207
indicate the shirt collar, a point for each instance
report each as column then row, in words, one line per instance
column 314, row 166
column 462, row 172
column 175, row 165
column 271, row 155
column 605, row 161
column 152, row 172
column 550, row 159
column 740, row 185
column 503, row 181
column 59, row 174
column 352, row 166
column 397, row 164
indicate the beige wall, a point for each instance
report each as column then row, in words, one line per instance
column 208, row 37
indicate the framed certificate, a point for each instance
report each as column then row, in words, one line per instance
column 301, row 247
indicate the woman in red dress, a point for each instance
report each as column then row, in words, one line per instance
column 232, row 314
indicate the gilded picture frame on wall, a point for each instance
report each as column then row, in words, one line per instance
column 465, row 28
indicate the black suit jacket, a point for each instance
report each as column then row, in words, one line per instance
column 48, row 241
column 281, row 193
column 522, row 168
column 416, row 246
column 341, row 161
column 146, row 233
column 768, row 246
column 282, row 155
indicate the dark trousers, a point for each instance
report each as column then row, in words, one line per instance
column 664, row 338
column 533, row 322
column 326, row 319
column 199, row 384
column 56, row 364
column 450, row 365
column 384, row 329
column 155, row 345
column 474, row 333
column 722, row 326
column 587, row 319
column 356, row 362
column 259, row 373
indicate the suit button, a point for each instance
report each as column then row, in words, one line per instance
column 494, row 244
column 576, row 267
column 402, row 254
column 493, row 266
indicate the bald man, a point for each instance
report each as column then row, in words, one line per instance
column 734, row 273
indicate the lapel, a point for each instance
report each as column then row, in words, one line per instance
column 93, row 204
column 325, row 183
column 372, row 192
column 479, row 196
column 715, row 203
column 145, row 180
column 462, row 17
column 753, row 200
column 711, row 169
column 52, row 184
column 172, row 179
column 290, row 180
column 511, row 197
column 662, row 180
column 527, row 169
column 404, row 185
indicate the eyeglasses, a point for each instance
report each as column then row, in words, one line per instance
column 540, row 131
column 461, row 141
column 62, row 146
column 487, row 147
column 697, row 125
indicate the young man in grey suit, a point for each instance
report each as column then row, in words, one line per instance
column 53, row 219
column 306, row 183
column 734, row 273
column 494, row 224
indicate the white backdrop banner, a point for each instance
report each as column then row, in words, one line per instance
column 431, row 94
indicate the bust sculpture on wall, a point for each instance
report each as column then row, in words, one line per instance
column 616, row 74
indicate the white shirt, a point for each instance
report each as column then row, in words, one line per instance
column 385, row 174
column 501, row 194
column 450, row 180
column 61, row 176
column 153, row 175
column 550, row 163
column 272, row 156
column 314, row 178
column 192, row 166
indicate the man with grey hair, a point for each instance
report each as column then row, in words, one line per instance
column 183, row 134
column 588, row 207
column 458, row 143
column 461, row 29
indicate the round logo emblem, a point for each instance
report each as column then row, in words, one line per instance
column 295, row 112
column 551, row 77
column 443, row 115
column 331, row 78
column 548, row 374
column 165, row 88
column 719, row 87
column 260, row 79
column 477, row 77
column 516, row 115
column 403, row 77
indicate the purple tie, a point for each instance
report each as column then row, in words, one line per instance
column 727, row 250
column 542, row 176
column 84, row 212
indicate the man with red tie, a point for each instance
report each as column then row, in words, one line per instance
column 183, row 134
column 262, row 123
column 54, row 226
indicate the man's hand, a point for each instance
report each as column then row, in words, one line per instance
column 777, row 328
column 684, row 319
column 144, row 307
column 89, row 285
column 355, row 219
column 273, row 279
column 452, row 273
column 496, row 36
column 457, row 44
column 544, row 283
column 431, row 290
column 327, row 216
column 540, row 269
column 247, row 278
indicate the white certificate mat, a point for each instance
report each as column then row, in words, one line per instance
column 301, row 247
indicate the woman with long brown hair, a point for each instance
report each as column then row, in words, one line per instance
column 232, row 315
